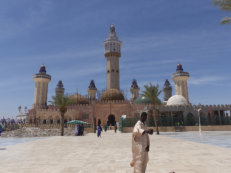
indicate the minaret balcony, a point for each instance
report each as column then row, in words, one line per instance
column 109, row 54
column 46, row 76
column 181, row 74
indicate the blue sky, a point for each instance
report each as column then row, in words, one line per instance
column 67, row 36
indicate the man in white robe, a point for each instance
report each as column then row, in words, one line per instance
column 140, row 145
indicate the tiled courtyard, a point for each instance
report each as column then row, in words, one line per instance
column 111, row 154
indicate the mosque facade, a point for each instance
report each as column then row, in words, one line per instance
column 112, row 105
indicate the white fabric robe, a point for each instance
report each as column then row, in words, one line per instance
column 139, row 143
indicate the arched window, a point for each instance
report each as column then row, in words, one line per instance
column 51, row 121
column 44, row 121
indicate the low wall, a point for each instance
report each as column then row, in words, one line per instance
column 58, row 126
column 185, row 128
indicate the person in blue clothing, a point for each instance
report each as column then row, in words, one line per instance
column 76, row 130
column 99, row 130
column 0, row 129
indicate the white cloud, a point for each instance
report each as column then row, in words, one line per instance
column 207, row 80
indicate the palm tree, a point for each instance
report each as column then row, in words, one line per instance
column 152, row 92
column 224, row 5
column 19, row 109
column 62, row 101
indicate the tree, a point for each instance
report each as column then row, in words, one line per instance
column 62, row 101
column 152, row 92
column 224, row 5
column 19, row 109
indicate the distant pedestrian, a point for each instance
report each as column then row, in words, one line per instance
column 76, row 130
column 81, row 129
column 140, row 145
column 0, row 129
column 99, row 130
column 105, row 128
column 115, row 127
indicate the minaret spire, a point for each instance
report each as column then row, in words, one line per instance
column 112, row 53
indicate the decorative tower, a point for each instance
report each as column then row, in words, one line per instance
column 92, row 91
column 134, row 90
column 112, row 53
column 180, row 78
column 59, row 89
column 41, row 87
column 167, row 90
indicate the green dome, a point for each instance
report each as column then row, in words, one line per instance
column 142, row 100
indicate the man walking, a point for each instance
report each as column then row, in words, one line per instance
column 140, row 145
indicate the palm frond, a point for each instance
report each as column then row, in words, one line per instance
column 152, row 92
column 62, row 101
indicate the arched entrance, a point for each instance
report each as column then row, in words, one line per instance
column 111, row 120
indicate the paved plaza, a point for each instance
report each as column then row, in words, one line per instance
column 111, row 154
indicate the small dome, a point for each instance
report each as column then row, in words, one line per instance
column 112, row 28
column 42, row 69
column 79, row 99
column 142, row 100
column 177, row 100
column 112, row 94
column 179, row 68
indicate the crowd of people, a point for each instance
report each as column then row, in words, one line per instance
column 99, row 128
column 9, row 124
column 79, row 130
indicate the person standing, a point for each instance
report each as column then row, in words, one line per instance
column 77, row 130
column 99, row 130
column 115, row 127
column 0, row 129
column 105, row 128
column 140, row 145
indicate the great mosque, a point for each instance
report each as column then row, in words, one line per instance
column 112, row 104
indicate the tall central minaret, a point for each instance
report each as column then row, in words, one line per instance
column 41, row 87
column 112, row 53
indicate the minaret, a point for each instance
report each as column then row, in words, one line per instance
column 167, row 90
column 59, row 89
column 134, row 90
column 41, row 87
column 92, row 91
column 112, row 53
column 180, row 78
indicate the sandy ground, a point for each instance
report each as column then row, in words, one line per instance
column 111, row 154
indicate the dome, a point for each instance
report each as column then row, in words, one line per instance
column 142, row 100
column 79, row 99
column 179, row 68
column 112, row 94
column 177, row 100
column 42, row 69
